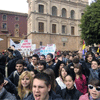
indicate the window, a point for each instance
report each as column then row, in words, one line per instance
column 4, row 17
column 40, row 43
column 53, row 28
column 54, row 11
column 63, row 44
column 82, row 14
column 63, row 28
column 16, row 26
column 4, row 26
column 72, row 30
column 63, row 12
column 41, row 9
column 17, row 18
column 41, row 27
column 72, row 14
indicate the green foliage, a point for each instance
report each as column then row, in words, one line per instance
column 90, row 24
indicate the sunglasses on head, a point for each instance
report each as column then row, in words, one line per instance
column 91, row 87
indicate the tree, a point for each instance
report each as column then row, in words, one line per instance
column 90, row 24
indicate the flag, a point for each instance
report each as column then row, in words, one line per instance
column 98, row 50
column 83, row 47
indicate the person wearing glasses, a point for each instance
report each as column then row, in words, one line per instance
column 93, row 91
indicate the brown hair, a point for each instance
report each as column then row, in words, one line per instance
column 80, row 70
column 94, row 82
column 51, row 74
column 66, row 69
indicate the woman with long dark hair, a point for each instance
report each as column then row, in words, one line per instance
column 70, row 92
column 60, row 80
column 80, row 79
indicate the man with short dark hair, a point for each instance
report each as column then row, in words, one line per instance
column 42, row 88
column 52, row 65
column 4, row 95
column 34, row 63
column 42, row 57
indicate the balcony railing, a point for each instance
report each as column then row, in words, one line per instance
column 4, row 30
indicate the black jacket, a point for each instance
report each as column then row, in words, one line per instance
column 4, row 95
column 52, row 96
column 30, row 67
column 55, row 67
column 73, row 94
column 2, row 64
column 14, row 78
column 12, row 63
column 10, row 87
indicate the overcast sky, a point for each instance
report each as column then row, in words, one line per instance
column 16, row 5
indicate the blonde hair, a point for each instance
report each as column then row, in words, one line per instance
column 21, row 90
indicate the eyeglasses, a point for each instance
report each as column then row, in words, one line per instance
column 91, row 87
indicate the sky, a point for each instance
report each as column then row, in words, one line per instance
column 16, row 5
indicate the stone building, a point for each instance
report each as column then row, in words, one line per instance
column 55, row 22
column 13, row 25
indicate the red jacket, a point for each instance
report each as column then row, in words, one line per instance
column 81, row 84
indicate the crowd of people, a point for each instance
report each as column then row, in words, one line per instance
column 66, row 75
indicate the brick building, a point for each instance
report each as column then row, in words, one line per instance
column 55, row 22
column 12, row 25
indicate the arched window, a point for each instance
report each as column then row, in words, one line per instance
column 72, row 14
column 4, row 17
column 41, row 8
column 54, row 11
column 63, row 12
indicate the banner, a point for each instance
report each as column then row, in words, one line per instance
column 50, row 48
column 26, row 44
column 33, row 47
column 17, row 46
column 37, row 51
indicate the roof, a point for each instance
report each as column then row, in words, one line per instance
column 13, row 13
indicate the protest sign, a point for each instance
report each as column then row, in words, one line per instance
column 26, row 44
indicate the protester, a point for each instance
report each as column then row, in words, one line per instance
column 41, row 65
column 94, row 71
column 24, row 85
column 93, row 90
column 2, row 64
column 33, row 73
column 80, row 79
column 60, row 80
column 89, row 57
column 42, row 88
column 52, row 65
column 12, row 62
column 54, row 85
column 42, row 57
column 14, row 77
column 4, row 95
column 70, row 92
column 34, row 63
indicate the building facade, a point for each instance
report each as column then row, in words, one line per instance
column 55, row 22
column 13, row 25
